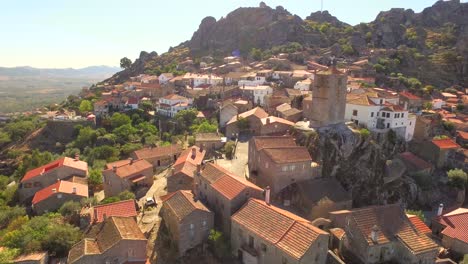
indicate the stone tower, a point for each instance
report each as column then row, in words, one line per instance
column 328, row 98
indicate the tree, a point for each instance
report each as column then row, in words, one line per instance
column 85, row 106
column 130, row 147
column 125, row 63
column 7, row 255
column 69, row 208
column 465, row 259
column 86, row 137
column 229, row 149
column 19, row 129
column 147, row 127
column 418, row 213
column 185, row 118
column 95, row 177
column 119, row 119
column 126, row 195
column 204, row 127
column 218, row 243
column 125, row 132
column 457, row 178
column 364, row 133
column 4, row 138
column 427, row 106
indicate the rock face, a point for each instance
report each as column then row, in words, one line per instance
column 324, row 16
column 245, row 28
column 138, row 67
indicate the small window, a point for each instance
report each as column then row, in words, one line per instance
column 402, row 115
column 388, row 125
column 284, row 260
column 377, row 113
column 204, row 223
column 28, row 185
column 37, row 184
column 263, row 247
column 372, row 114
column 251, row 241
column 388, row 115
column 354, row 112
column 381, row 101
column 410, row 123
column 396, row 115
column 192, row 226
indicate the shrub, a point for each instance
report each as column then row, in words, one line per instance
column 457, row 178
column 417, row 213
column 219, row 244
column 365, row 133
column 229, row 149
column 70, row 208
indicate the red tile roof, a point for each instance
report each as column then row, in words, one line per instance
column 288, row 154
column 410, row 96
column 289, row 232
column 274, row 119
column 226, row 183
column 445, row 143
column 463, row 135
column 189, row 160
column 60, row 187
column 273, row 142
column 123, row 209
column 415, row 161
column 257, row 111
column 182, row 203
column 419, row 224
column 148, row 153
column 132, row 100
column 68, row 162
column 456, row 223
column 124, row 169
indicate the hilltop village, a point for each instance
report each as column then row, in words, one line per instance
column 224, row 164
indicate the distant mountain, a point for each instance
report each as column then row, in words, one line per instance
column 92, row 72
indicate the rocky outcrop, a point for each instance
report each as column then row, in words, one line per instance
column 325, row 17
column 138, row 67
column 245, row 28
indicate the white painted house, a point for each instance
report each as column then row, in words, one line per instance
column 257, row 93
column 171, row 104
column 165, row 77
column 197, row 80
column 303, row 85
column 379, row 110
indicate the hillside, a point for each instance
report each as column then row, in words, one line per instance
column 26, row 88
column 431, row 45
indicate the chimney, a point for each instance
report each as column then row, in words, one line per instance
column 74, row 190
column 268, row 120
column 194, row 153
column 198, row 169
column 77, row 157
column 440, row 209
column 374, row 234
column 114, row 168
column 267, row 195
column 131, row 160
column 172, row 171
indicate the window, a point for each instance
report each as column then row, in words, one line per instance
column 131, row 253
column 241, row 234
column 263, row 247
column 192, row 226
column 284, row 260
column 381, row 101
column 402, row 115
column 410, row 123
column 396, row 115
column 388, row 115
column 284, row 168
column 251, row 241
column 204, row 223
column 59, row 196
column 28, row 185
column 372, row 114
column 292, row 167
column 354, row 112
column 388, row 125
column 37, row 184
column 377, row 113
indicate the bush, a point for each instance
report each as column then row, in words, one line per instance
column 70, row 208
column 95, row 177
column 365, row 133
column 423, row 180
column 119, row 119
column 219, row 244
column 457, row 178
column 229, row 149
column 126, row 195
column 417, row 213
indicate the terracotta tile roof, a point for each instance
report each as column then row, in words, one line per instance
column 419, row 224
column 182, row 203
column 122, row 208
column 325, row 188
column 274, row 119
column 168, row 75
column 392, row 224
column 456, row 223
column 291, row 112
column 337, row 232
column 226, row 183
column 60, row 187
column 445, row 143
column 283, row 107
column 35, row 256
column 415, row 161
column 124, row 169
column 68, row 162
column 463, row 135
column 175, row 97
column 257, row 111
column 207, row 137
column 393, row 108
column 107, row 234
column 187, row 162
column 132, row 100
column 359, row 100
column 288, row 154
column 290, row 233
column 148, row 153
column 273, row 142
column 410, row 96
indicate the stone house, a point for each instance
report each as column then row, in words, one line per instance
column 189, row 222
column 294, row 115
column 46, row 175
column 253, row 117
column 211, row 142
column 462, row 138
column 415, row 164
column 159, row 157
column 437, row 151
column 181, row 174
column 318, row 197
column 165, row 77
column 171, row 104
column 410, row 101
column 265, row 234
column 132, row 175
column 32, row 258
column 277, row 161
column 226, row 113
column 273, row 125
column 452, row 228
column 53, row 196
column 383, row 233
column 116, row 240
column 91, row 215
column 224, row 193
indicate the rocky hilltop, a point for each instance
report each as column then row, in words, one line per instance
column 431, row 46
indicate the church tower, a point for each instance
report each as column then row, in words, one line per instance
column 328, row 97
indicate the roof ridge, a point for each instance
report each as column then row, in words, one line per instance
column 118, row 202
column 286, row 232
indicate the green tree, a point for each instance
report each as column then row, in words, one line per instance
column 70, row 208
column 365, row 133
column 125, row 63
column 219, row 243
column 427, row 105
column 125, row 132
column 105, row 152
column 19, row 129
column 7, row 214
column 457, row 178
column 229, row 149
column 85, row 106
column 60, row 238
column 256, row 54
column 95, row 177
column 86, row 137
column 147, row 127
column 204, row 127
column 243, row 124
column 4, row 138
column 130, row 147
column 119, row 119
column 418, row 213
column 7, row 255
column 126, row 195
column 184, row 119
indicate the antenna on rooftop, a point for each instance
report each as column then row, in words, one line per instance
column 321, row 6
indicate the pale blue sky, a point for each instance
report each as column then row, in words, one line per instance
column 72, row 33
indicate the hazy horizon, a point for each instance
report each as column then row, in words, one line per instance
column 77, row 34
